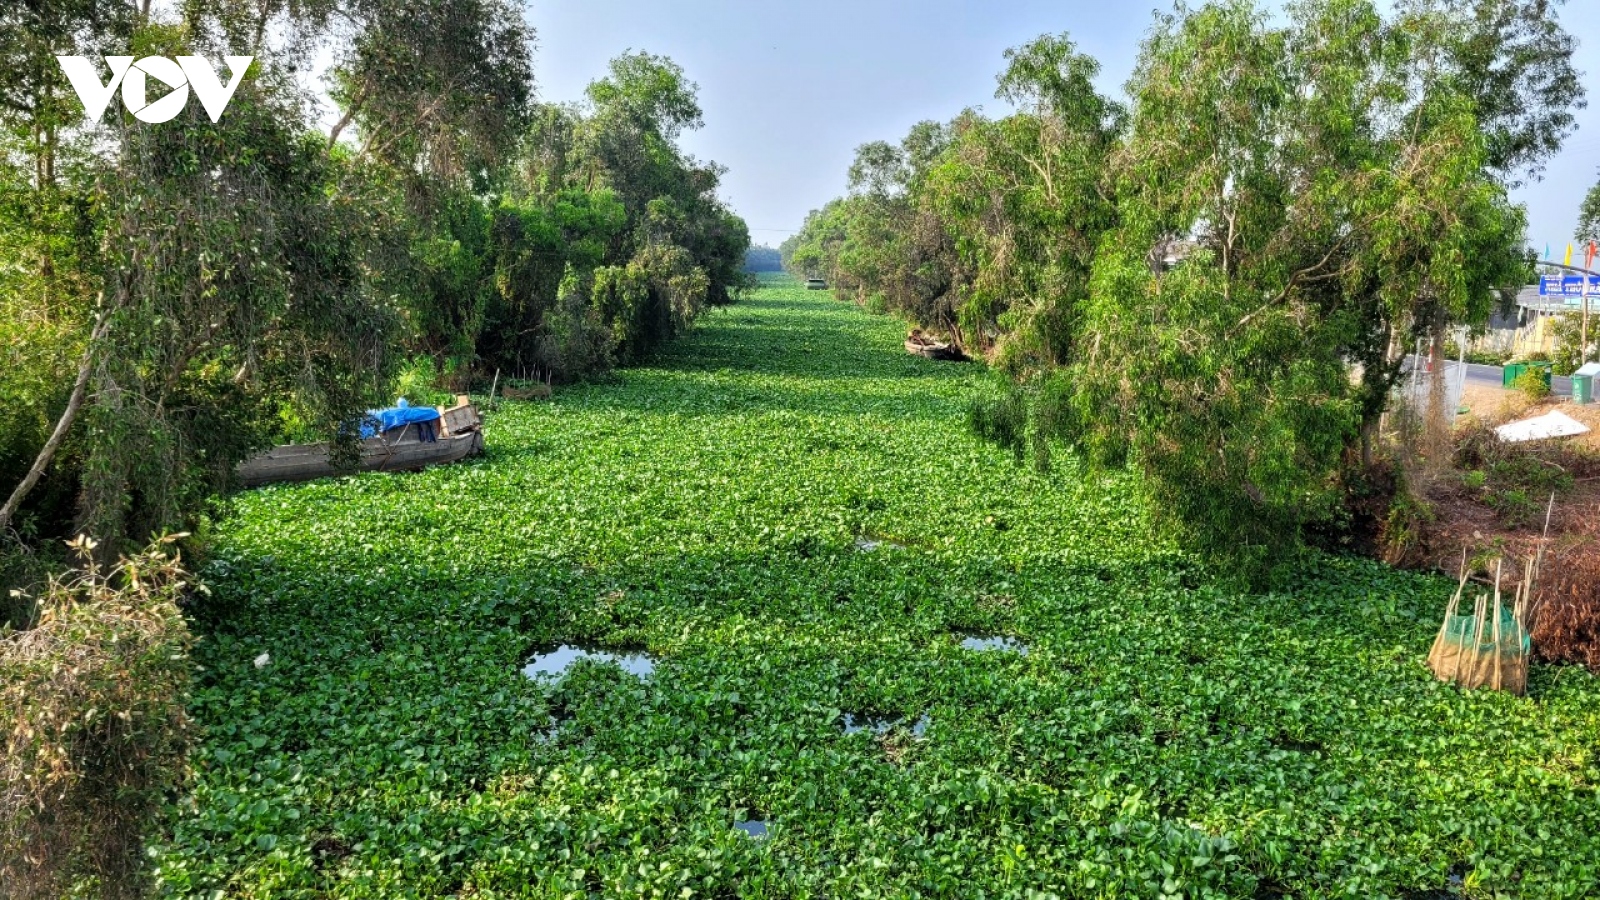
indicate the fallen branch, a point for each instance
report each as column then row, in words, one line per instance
column 63, row 425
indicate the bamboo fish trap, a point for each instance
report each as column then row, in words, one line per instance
column 1490, row 647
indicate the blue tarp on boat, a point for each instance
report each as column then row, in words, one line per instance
column 399, row 416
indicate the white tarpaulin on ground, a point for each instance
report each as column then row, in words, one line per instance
column 1539, row 428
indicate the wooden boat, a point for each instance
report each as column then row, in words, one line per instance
column 919, row 344
column 459, row 435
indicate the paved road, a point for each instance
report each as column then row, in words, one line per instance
column 1492, row 376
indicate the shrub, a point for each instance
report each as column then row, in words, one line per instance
column 423, row 383
column 1567, row 329
column 1002, row 421
column 1487, row 357
column 1404, row 525
column 1452, row 350
column 579, row 344
column 92, row 714
column 1517, row 480
column 1516, row 508
column 22, row 569
column 1532, row 385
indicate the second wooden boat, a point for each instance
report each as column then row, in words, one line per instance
column 920, row 344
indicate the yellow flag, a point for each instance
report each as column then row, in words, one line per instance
column 1569, row 254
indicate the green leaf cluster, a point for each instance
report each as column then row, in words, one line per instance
column 1166, row 735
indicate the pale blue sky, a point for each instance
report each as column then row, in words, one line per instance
column 790, row 89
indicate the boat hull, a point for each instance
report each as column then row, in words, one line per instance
column 935, row 350
column 461, row 437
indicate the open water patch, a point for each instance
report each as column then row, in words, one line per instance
column 992, row 643
column 867, row 543
column 554, row 662
column 755, row 829
column 856, row 723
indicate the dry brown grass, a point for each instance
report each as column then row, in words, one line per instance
column 1497, row 406
column 1492, row 404
column 1566, row 619
column 92, row 716
column 1511, row 501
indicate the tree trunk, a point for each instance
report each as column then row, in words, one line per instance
column 1438, row 425
column 1376, row 384
column 63, row 425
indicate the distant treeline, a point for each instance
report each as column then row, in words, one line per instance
column 1183, row 280
column 761, row 258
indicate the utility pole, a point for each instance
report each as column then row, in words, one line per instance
column 1583, row 329
column 1588, row 280
column 1583, row 339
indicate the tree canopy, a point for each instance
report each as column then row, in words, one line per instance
column 185, row 295
column 1217, row 281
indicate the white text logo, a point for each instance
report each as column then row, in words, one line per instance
column 133, row 77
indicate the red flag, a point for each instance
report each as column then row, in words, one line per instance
column 1588, row 258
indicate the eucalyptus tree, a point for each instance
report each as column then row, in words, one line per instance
column 1512, row 61
column 1343, row 202
column 1028, row 198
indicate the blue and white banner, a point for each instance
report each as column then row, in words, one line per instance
column 1564, row 286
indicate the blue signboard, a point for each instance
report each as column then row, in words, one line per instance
column 1563, row 286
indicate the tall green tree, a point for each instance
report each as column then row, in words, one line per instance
column 48, row 236
column 1344, row 203
column 1029, row 199
column 1589, row 217
column 1191, row 284
column 438, row 95
column 1512, row 61
column 222, row 274
column 631, row 241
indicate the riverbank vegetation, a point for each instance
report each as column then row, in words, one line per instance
column 1187, row 281
column 752, row 602
column 177, row 296
column 187, row 294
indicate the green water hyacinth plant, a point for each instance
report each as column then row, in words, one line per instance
column 1164, row 735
